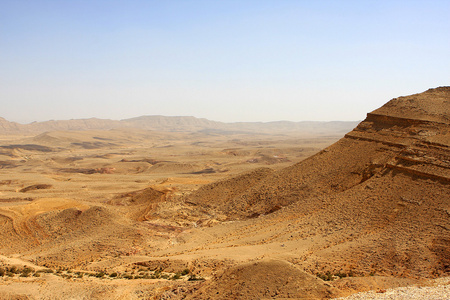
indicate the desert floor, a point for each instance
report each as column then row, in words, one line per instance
column 138, row 214
column 57, row 171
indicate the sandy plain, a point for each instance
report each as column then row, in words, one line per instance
column 62, row 170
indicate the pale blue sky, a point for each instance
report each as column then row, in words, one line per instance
column 222, row 60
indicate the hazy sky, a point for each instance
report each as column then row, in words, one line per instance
column 223, row 60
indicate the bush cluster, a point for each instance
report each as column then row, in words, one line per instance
column 69, row 274
column 328, row 276
column 13, row 270
column 193, row 277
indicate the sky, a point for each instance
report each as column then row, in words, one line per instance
column 224, row 60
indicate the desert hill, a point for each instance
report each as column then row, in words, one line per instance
column 9, row 127
column 380, row 143
column 266, row 279
column 380, row 195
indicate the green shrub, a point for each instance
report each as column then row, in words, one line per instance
column 44, row 271
column 326, row 277
column 26, row 271
column 194, row 277
column 185, row 272
column 113, row 275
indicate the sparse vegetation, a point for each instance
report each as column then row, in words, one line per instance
column 341, row 274
column 35, row 187
column 26, row 272
column 326, row 277
column 45, row 271
column 66, row 273
column 100, row 275
column 329, row 276
column 185, row 272
column 194, row 277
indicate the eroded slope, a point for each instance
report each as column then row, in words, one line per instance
column 376, row 201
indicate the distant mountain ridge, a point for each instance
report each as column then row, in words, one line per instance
column 7, row 126
column 175, row 124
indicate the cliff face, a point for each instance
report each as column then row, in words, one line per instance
column 419, row 126
column 432, row 105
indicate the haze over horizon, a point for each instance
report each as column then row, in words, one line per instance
column 226, row 61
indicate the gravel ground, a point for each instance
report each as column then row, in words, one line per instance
column 439, row 291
